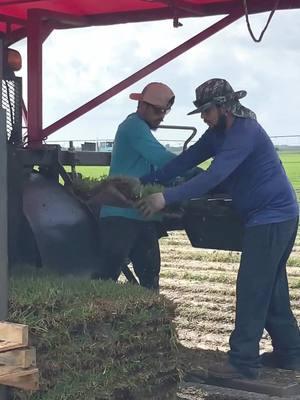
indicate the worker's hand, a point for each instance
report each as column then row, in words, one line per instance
column 111, row 196
column 151, row 204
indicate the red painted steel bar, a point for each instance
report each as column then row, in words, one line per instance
column 35, row 91
column 71, row 21
column 17, row 2
column 12, row 20
column 15, row 36
column 143, row 72
column 37, row 34
column 208, row 8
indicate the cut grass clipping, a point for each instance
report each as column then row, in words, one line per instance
column 96, row 340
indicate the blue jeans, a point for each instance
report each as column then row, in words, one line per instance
column 262, row 294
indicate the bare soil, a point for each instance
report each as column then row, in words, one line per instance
column 202, row 284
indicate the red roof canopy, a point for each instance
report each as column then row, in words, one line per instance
column 14, row 14
column 35, row 19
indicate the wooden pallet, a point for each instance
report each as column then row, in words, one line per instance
column 17, row 360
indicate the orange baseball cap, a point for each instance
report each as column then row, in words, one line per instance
column 155, row 93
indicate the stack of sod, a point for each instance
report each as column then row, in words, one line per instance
column 97, row 340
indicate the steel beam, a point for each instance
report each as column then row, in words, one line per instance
column 192, row 10
column 45, row 156
column 3, row 211
column 35, row 79
column 3, row 203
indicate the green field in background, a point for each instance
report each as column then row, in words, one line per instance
column 291, row 162
column 92, row 172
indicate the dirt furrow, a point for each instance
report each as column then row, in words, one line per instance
column 194, row 267
column 185, row 286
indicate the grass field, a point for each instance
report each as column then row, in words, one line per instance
column 291, row 162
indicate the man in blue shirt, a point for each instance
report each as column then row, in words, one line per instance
column 245, row 162
column 124, row 232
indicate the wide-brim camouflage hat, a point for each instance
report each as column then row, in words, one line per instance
column 215, row 92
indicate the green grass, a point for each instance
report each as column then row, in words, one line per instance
column 92, row 172
column 291, row 162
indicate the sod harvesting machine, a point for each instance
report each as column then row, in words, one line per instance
column 47, row 224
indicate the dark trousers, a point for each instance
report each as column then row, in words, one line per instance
column 123, row 238
column 262, row 294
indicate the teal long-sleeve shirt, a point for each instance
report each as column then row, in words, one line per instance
column 136, row 152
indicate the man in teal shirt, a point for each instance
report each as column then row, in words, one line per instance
column 124, row 232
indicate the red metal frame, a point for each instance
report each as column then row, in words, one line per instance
column 22, row 18
column 125, row 11
column 35, row 77
column 36, row 133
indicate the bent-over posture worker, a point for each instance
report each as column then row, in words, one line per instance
column 124, row 232
column 246, row 163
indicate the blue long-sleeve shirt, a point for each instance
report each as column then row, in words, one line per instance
column 246, row 163
column 135, row 153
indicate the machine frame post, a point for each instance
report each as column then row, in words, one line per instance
column 3, row 210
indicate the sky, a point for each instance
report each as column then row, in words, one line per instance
column 79, row 64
